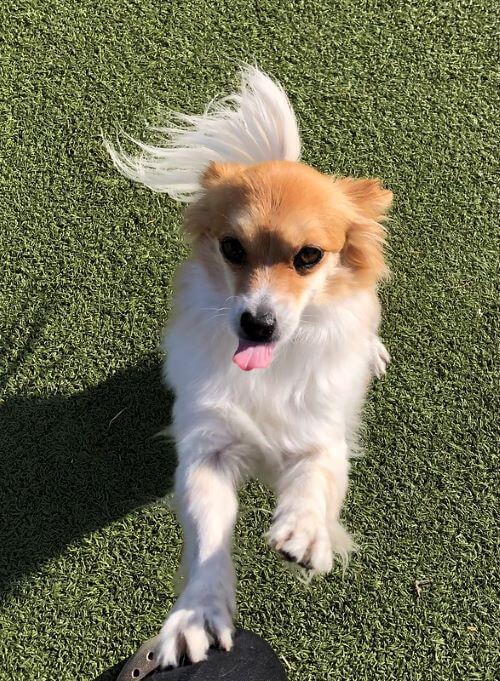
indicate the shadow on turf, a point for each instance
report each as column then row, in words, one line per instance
column 70, row 465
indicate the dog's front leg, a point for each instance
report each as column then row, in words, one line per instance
column 207, row 503
column 379, row 357
column 306, row 527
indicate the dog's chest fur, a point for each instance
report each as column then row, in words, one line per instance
column 307, row 398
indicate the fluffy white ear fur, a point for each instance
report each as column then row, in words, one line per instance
column 254, row 125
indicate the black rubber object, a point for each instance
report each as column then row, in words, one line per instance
column 250, row 659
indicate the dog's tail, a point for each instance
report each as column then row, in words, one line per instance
column 256, row 124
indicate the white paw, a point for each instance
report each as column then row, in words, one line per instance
column 380, row 357
column 302, row 538
column 342, row 543
column 196, row 621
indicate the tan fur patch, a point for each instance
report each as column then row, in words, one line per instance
column 276, row 208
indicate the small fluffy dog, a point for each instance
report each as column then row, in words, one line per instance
column 272, row 343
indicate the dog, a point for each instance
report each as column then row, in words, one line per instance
column 272, row 343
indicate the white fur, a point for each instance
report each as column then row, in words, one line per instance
column 293, row 423
column 256, row 124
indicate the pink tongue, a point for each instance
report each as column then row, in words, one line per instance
column 250, row 356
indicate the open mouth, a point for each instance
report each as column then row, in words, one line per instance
column 250, row 355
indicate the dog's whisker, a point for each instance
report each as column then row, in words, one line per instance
column 216, row 309
column 216, row 316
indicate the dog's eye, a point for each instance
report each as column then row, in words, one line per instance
column 232, row 250
column 307, row 257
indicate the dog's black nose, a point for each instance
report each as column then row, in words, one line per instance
column 258, row 327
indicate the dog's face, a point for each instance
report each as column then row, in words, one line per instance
column 280, row 238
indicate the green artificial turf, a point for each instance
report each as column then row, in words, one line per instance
column 88, row 543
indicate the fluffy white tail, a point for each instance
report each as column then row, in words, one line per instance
column 257, row 124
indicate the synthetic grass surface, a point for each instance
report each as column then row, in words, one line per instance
column 88, row 549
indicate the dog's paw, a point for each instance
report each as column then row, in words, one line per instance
column 342, row 543
column 302, row 538
column 195, row 623
column 380, row 357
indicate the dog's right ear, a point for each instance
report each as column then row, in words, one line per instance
column 217, row 173
column 220, row 180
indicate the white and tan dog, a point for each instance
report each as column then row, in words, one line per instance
column 272, row 343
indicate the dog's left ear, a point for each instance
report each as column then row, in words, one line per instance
column 363, row 251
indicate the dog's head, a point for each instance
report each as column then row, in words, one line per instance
column 279, row 237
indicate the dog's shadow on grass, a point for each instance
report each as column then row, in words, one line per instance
column 70, row 465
